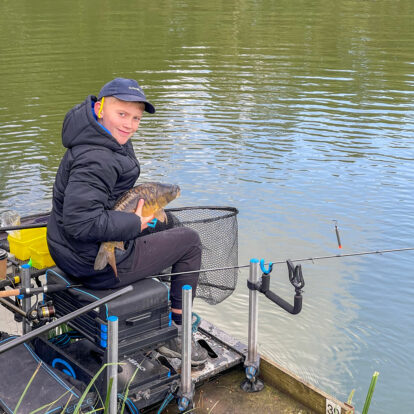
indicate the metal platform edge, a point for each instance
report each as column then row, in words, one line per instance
column 225, row 353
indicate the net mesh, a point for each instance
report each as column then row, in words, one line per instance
column 218, row 231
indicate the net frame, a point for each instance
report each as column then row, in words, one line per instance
column 218, row 230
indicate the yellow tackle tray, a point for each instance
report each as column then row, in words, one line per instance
column 40, row 256
column 20, row 241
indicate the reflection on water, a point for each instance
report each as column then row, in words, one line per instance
column 297, row 113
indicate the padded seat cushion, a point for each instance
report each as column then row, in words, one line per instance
column 146, row 294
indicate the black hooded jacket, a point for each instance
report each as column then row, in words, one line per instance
column 93, row 174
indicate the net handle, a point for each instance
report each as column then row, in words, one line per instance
column 232, row 209
column 232, row 212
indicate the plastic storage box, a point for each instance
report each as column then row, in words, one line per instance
column 20, row 241
column 39, row 254
column 31, row 243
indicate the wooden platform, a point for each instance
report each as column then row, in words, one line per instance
column 223, row 395
column 218, row 383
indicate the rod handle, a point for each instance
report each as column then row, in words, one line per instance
column 10, row 292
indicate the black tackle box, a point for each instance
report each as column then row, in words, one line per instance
column 144, row 319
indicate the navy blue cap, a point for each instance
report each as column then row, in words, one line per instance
column 126, row 90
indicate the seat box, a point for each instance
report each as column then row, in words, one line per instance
column 143, row 314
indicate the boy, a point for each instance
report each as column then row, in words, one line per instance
column 97, row 168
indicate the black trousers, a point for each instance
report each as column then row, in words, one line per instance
column 149, row 255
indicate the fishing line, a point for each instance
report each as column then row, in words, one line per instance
column 310, row 259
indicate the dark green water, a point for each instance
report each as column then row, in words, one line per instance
column 296, row 112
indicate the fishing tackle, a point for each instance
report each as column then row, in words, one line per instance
column 87, row 308
column 252, row 382
column 264, row 270
column 310, row 259
column 42, row 312
column 337, row 234
column 295, row 278
column 45, row 311
column 27, row 292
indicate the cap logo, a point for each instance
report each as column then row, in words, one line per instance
column 137, row 89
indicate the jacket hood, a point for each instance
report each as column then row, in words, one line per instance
column 80, row 127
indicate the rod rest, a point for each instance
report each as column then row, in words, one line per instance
column 295, row 278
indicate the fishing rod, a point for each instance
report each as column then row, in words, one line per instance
column 87, row 308
column 310, row 259
column 334, row 256
column 14, row 280
column 40, row 311
column 26, row 292
column 23, row 227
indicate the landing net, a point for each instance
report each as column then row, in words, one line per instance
column 217, row 228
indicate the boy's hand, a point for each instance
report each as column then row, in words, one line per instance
column 138, row 212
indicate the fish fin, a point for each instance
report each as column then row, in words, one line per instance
column 106, row 255
column 161, row 216
column 112, row 262
column 103, row 256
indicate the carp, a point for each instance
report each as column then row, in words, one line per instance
column 156, row 197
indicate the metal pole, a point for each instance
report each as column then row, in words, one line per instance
column 186, row 385
column 112, row 372
column 253, row 313
column 252, row 383
column 26, row 302
column 21, row 339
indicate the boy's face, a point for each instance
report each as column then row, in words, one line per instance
column 120, row 118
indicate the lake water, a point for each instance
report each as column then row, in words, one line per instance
column 296, row 112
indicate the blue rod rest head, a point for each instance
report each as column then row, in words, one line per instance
column 264, row 270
